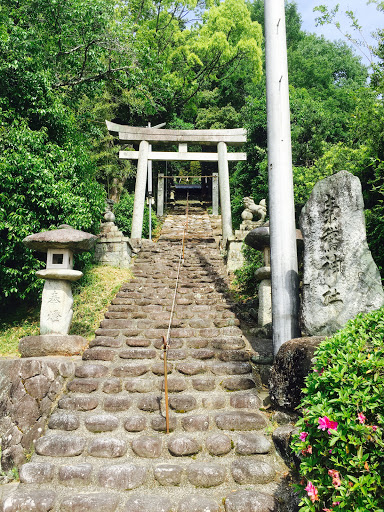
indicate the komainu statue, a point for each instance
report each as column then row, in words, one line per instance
column 259, row 211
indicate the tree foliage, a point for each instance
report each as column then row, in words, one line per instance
column 67, row 65
column 42, row 185
column 326, row 80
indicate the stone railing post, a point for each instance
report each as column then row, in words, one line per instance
column 215, row 193
column 160, row 195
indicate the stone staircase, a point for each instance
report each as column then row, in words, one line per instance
column 105, row 448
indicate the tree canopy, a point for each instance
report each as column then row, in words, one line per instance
column 67, row 65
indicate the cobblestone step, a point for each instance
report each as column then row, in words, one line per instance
column 105, row 447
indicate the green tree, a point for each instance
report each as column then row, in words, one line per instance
column 326, row 80
column 45, row 167
column 42, row 185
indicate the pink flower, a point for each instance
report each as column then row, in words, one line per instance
column 312, row 492
column 374, row 428
column 335, row 503
column 327, row 509
column 361, row 418
column 327, row 424
column 335, row 477
column 307, row 450
column 319, row 372
column 303, row 436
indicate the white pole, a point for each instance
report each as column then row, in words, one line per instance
column 141, row 181
column 225, row 193
column 150, row 191
column 285, row 299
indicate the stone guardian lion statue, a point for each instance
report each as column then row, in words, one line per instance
column 259, row 211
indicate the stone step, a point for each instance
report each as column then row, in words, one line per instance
column 106, row 448
column 114, row 501
column 122, row 415
column 145, row 470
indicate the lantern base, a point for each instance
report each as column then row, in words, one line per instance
column 52, row 345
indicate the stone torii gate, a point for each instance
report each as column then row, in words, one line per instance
column 146, row 136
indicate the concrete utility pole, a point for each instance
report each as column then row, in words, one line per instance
column 285, row 296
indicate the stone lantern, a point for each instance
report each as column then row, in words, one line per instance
column 259, row 239
column 57, row 300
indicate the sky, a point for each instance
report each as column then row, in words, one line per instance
column 369, row 18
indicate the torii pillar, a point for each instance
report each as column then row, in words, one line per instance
column 141, row 182
column 225, row 193
column 285, row 283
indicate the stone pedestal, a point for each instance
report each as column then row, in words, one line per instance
column 113, row 248
column 52, row 345
column 56, row 307
column 264, row 314
column 293, row 362
column 259, row 239
column 235, row 258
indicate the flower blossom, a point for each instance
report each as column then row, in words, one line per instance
column 336, row 482
column 312, row 492
column 303, row 436
column 307, row 450
column 327, row 424
column 374, row 428
column 327, row 509
column 361, row 418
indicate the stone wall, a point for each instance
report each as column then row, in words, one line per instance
column 29, row 389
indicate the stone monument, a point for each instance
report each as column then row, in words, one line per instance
column 340, row 277
column 56, row 303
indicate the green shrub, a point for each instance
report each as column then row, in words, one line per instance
column 42, row 185
column 123, row 211
column 245, row 283
column 341, row 444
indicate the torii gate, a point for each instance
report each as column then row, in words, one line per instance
column 285, row 297
column 146, row 136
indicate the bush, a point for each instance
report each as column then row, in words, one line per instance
column 341, row 444
column 123, row 211
column 245, row 282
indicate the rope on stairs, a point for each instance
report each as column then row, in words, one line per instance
column 166, row 338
